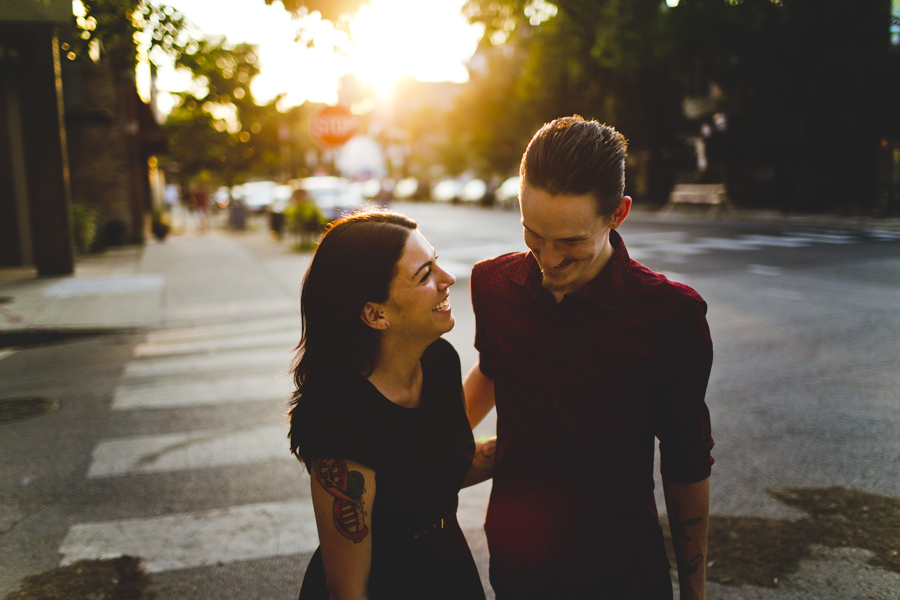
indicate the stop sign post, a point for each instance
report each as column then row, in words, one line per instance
column 333, row 126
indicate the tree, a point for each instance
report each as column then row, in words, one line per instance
column 805, row 86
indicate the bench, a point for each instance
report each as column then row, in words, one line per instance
column 699, row 193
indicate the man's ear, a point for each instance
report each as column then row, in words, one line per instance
column 373, row 316
column 621, row 212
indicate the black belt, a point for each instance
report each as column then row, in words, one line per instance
column 435, row 526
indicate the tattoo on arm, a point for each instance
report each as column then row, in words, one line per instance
column 487, row 450
column 347, row 487
column 679, row 533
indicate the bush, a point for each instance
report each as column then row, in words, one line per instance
column 84, row 227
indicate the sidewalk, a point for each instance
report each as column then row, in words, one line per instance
column 188, row 279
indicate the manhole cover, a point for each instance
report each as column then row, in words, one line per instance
column 19, row 409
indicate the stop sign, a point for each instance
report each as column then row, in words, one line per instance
column 333, row 126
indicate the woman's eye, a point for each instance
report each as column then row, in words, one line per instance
column 427, row 275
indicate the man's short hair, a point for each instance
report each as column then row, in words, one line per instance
column 572, row 157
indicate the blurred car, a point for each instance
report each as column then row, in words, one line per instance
column 406, row 189
column 447, row 190
column 508, row 193
column 332, row 195
column 474, row 190
column 255, row 195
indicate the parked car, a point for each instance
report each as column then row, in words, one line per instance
column 406, row 189
column 447, row 190
column 332, row 195
column 507, row 195
column 474, row 190
column 257, row 195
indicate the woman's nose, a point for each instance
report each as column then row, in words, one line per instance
column 447, row 277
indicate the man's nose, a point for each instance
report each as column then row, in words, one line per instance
column 550, row 255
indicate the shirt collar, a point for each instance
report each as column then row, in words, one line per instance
column 606, row 289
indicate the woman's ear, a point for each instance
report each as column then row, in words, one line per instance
column 373, row 316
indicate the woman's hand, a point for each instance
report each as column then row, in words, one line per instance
column 482, row 467
column 342, row 493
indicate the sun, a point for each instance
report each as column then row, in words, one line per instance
column 430, row 41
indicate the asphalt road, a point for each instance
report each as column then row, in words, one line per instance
column 170, row 447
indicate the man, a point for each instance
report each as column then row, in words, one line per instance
column 588, row 355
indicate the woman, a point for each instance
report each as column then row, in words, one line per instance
column 379, row 419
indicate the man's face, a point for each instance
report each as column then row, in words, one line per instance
column 567, row 238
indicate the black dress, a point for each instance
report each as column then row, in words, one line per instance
column 420, row 457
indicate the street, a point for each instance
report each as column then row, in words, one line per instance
column 169, row 442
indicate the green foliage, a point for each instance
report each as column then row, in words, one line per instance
column 84, row 227
column 118, row 26
column 801, row 83
column 304, row 218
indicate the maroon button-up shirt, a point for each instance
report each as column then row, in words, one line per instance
column 582, row 389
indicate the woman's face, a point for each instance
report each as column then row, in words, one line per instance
column 419, row 303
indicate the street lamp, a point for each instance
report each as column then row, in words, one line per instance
column 671, row 3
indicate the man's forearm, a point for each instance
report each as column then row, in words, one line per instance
column 688, row 508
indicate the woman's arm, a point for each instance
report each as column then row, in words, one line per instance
column 342, row 493
column 482, row 467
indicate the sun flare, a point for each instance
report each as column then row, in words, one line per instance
column 428, row 40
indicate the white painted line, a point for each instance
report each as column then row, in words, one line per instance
column 763, row 270
column 233, row 309
column 274, row 361
column 113, row 284
column 199, row 539
column 199, row 449
column 777, row 241
column 285, row 339
column 5, row 353
column 884, row 234
column 725, row 244
column 203, row 392
column 202, row 332
column 826, row 238
column 680, row 249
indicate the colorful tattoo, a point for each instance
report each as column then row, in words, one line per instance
column 347, row 489
column 679, row 533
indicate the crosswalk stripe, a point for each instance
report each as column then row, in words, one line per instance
column 199, row 539
column 778, row 241
column 219, row 330
column 286, row 339
column 884, row 234
column 725, row 244
column 198, row 449
column 274, row 360
column 202, row 392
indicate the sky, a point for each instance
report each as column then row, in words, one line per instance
column 429, row 39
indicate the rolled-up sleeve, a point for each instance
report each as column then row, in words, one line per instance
column 682, row 422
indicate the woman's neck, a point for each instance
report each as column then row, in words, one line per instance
column 397, row 372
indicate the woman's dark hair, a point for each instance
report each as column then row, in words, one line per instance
column 354, row 264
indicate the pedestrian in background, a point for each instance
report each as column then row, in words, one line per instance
column 379, row 418
column 588, row 355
